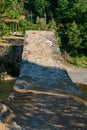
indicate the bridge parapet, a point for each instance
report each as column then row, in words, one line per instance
column 42, row 64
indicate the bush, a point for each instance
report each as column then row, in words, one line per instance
column 52, row 25
column 74, row 39
column 26, row 25
column 41, row 24
column 4, row 29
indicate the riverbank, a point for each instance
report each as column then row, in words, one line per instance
column 77, row 74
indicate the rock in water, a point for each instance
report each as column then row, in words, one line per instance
column 42, row 64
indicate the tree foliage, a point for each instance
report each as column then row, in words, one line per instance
column 70, row 17
column 74, row 39
column 9, row 9
column 38, row 7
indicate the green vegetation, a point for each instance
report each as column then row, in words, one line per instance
column 80, row 61
column 68, row 18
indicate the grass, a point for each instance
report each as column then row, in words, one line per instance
column 80, row 61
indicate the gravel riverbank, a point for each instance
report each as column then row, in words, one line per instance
column 77, row 74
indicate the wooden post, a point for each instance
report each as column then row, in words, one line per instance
column 31, row 15
column 16, row 27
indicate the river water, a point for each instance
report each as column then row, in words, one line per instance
column 6, row 87
column 83, row 87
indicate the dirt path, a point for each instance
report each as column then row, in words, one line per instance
column 77, row 74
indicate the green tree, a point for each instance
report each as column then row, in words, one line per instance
column 74, row 39
column 9, row 9
column 15, row 9
column 62, row 10
column 38, row 7
column 4, row 29
column 67, row 11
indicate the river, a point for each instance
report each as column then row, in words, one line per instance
column 6, row 87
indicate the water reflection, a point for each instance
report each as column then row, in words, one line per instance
column 5, row 89
column 83, row 87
